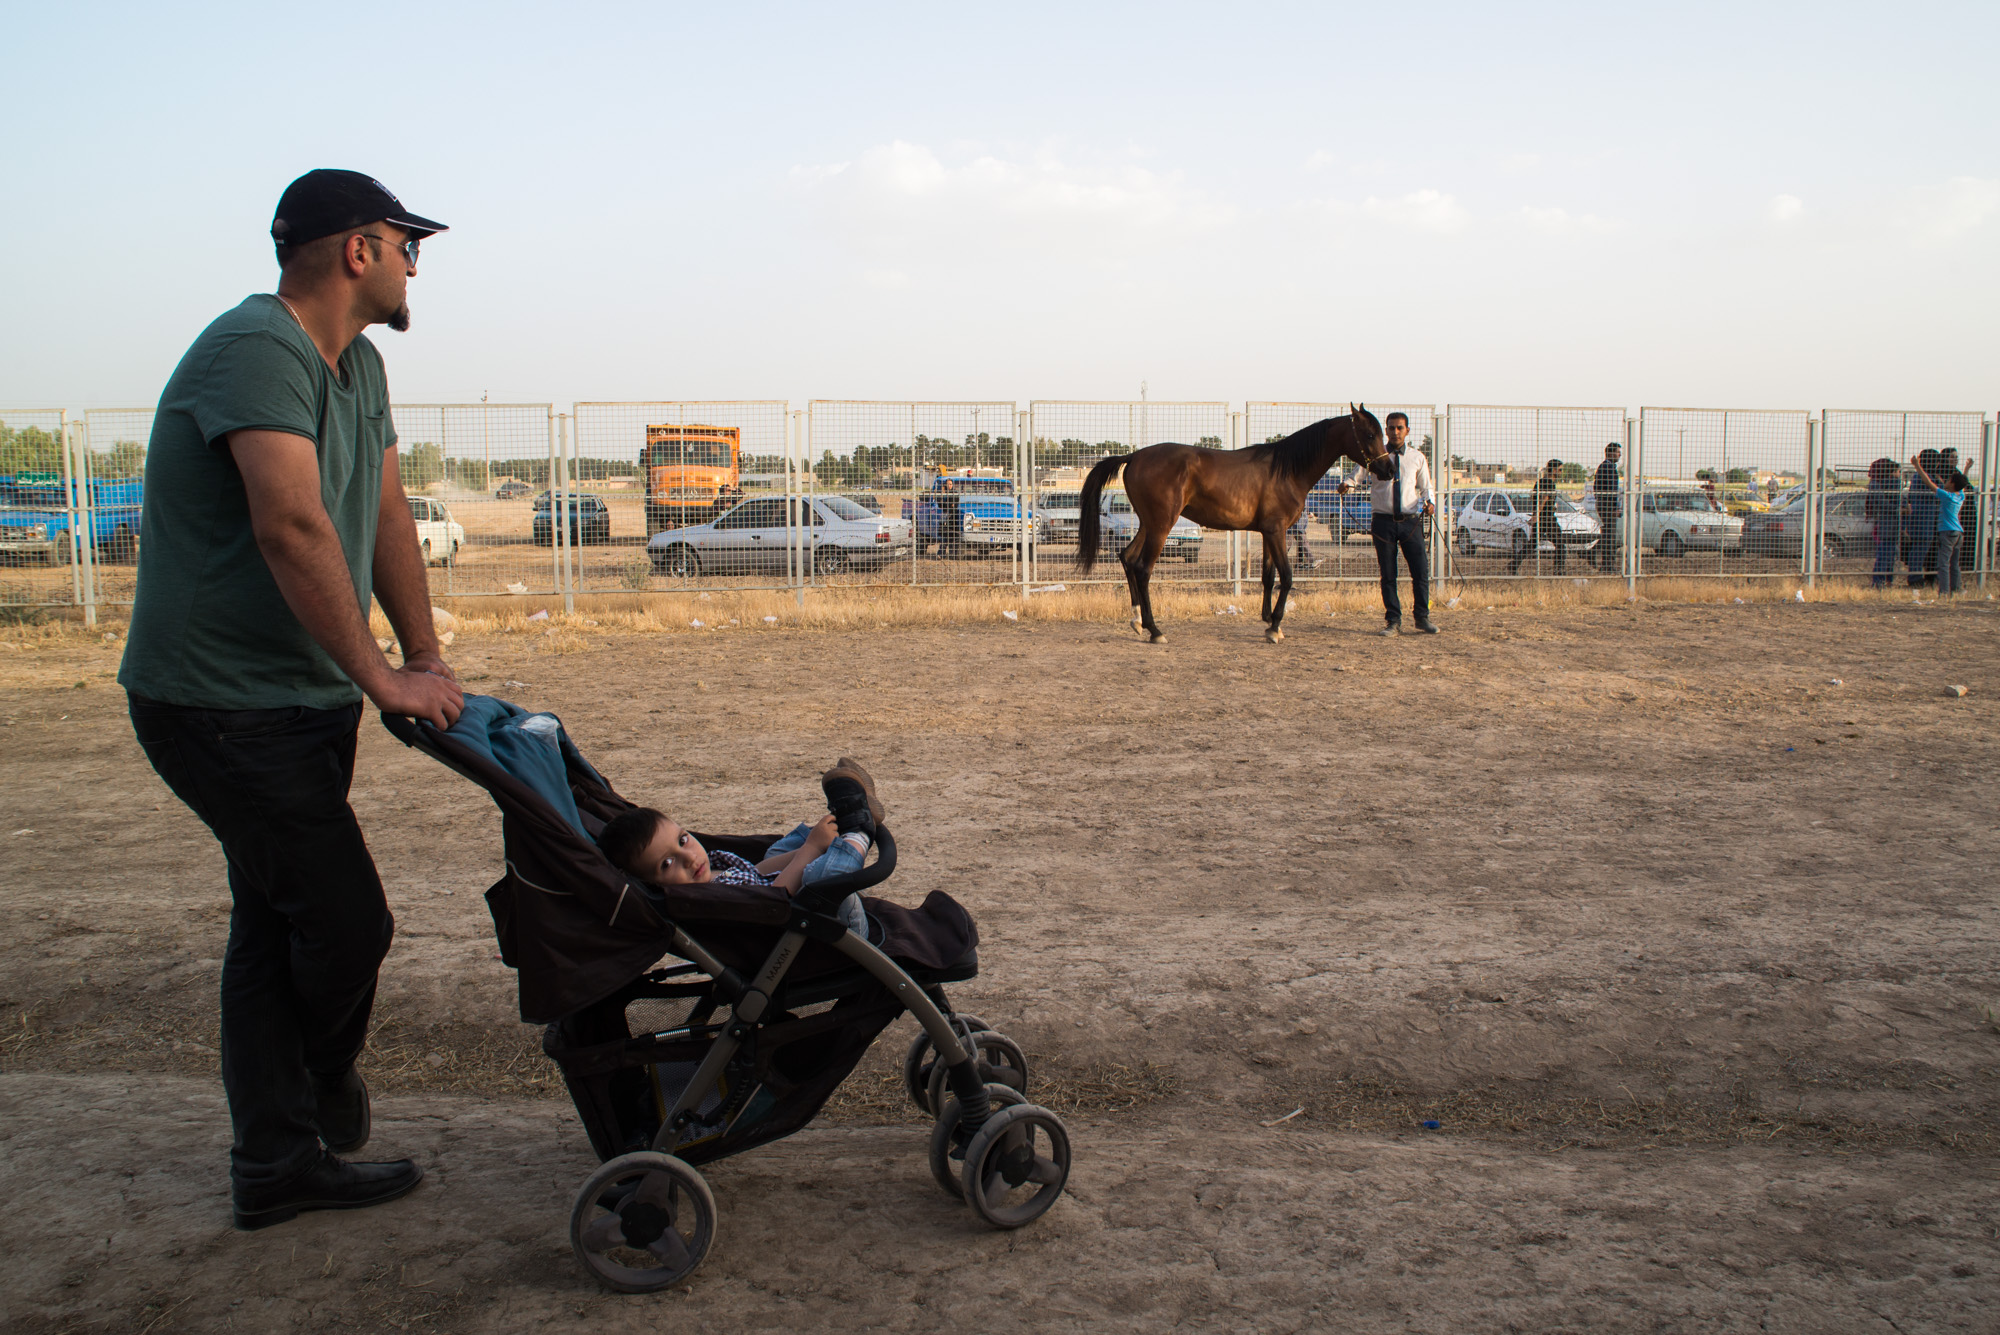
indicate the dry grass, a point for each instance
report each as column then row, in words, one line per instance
column 867, row 607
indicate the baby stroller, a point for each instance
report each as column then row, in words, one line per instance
column 771, row 1005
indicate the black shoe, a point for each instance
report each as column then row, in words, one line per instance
column 327, row 1185
column 342, row 1117
column 1392, row 629
column 1426, row 628
column 850, row 796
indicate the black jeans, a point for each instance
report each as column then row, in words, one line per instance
column 308, row 923
column 1407, row 535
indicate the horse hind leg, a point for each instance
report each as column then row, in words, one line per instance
column 1139, row 571
column 1276, row 546
column 1134, row 585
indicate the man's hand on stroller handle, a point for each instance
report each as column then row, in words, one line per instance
column 420, row 692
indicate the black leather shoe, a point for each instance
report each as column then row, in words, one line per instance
column 342, row 1118
column 327, row 1185
column 1426, row 628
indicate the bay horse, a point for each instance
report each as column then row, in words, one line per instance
column 1257, row 489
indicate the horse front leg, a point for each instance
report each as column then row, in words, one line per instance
column 1274, row 543
column 1270, row 574
column 1134, row 584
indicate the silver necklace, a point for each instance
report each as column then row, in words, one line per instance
column 289, row 307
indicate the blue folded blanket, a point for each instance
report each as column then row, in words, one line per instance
column 528, row 746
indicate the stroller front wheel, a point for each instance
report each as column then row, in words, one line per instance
column 642, row 1222
column 1001, row 1062
column 948, row 1140
column 920, row 1061
column 1016, row 1165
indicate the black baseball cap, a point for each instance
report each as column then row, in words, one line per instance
column 326, row 201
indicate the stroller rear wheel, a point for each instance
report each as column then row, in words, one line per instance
column 921, row 1060
column 948, row 1140
column 642, row 1222
column 1016, row 1165
column 1001, row 1062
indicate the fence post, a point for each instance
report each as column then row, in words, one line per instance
column 1988, row 432
column 1024, row 489
column 1629, row 526
column 1434, row 540
column 83, row 533
column 1239, row 438
column 572, row 538
column 1810, row 534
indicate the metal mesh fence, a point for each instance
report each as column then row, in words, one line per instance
column 676, row 466
column 1337, row 528
column 37, row 519
column 1852, row 442
column 111, row 467
column 946, row 478
column 472, row 471
column 1067, row 437
column 1713, row 486
column 1495, row 455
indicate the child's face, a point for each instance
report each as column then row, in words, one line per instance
column 675, row 857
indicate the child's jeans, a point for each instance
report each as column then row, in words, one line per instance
column 838, row 860
column 1946, row 551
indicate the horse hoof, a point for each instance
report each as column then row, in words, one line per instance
column 1159, row 637
column 1274, row 635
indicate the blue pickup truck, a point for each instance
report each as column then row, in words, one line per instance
column 1342, row 515
column 970, row 515
column 35, row 518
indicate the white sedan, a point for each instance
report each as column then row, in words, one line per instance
column 438, row 534
column 1505, row 521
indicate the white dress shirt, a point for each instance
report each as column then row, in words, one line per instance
column 1412, row 478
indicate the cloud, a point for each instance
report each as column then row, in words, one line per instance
column 1429, row 211
column 1318, row 159
column 901, row 197
column 1561, row 222
column 1785, row 208
column 1962, row 205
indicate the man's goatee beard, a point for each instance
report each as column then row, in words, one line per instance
column 399, row 319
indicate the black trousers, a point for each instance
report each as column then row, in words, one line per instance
column 1407, row 536
column 308, row 923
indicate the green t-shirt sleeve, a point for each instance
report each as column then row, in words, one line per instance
column 257, row 382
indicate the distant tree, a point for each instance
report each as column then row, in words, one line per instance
column 125, row 458
column 1739, row 475
column 422, row 465
column 29, row 449
column 1212, row 442
column 1704, row 475
column 1572, row 473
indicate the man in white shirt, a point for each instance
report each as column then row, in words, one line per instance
column 1398, row 505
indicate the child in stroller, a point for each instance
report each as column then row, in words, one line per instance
column 742, row 1043
column 656, row 848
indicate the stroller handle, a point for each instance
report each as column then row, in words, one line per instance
column 824, row 896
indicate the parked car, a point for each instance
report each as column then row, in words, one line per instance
column 1673, row 522
column 438, row 534
column 1120, row 523
column 36, row 518
column 968, row 514
column 1059, row 512
column 754, row 539
column 589, row 520
column 512, row 489
column 867, row 501
column 1505, row 521
column 1342, row 515
column 1846, row 528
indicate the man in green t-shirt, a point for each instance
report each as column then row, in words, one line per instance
column 274, row 512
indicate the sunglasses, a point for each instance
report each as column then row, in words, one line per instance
column 409, row 248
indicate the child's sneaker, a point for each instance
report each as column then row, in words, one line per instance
column 850, row 796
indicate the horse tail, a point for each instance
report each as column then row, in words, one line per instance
column 1087, row 516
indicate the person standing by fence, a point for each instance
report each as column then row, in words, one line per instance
column 1885, row 508
column 1604, row 490
column 1948, row 492
column 1397, row 507
column 1920, row 510
column 274, row 511
column 1546, row 527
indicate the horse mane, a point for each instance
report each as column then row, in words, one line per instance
column 1297, row 457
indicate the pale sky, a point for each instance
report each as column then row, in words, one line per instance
column 1740, row 205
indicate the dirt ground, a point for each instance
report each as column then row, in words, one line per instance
column 1677, row 920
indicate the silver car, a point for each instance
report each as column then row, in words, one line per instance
column 754, row 539
column 1059, row 512
column 1672, row 522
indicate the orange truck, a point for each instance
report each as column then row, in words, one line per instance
column 693, row 473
